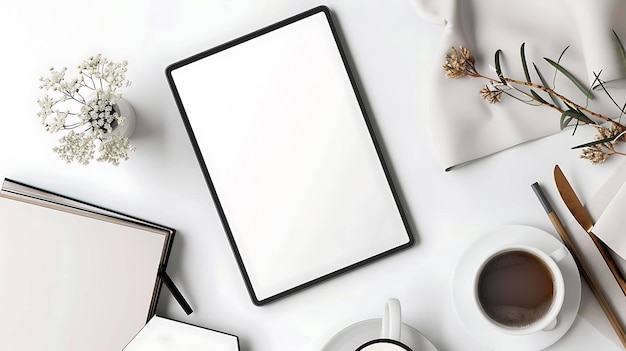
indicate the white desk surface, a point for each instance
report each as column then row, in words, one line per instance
column 391, row 49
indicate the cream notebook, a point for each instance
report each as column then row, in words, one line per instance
column 74, row 276
column 163, row 334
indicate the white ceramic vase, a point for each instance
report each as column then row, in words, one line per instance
column 125, row 109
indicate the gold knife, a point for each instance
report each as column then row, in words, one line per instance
column 584, row 219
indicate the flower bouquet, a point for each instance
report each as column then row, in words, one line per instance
column 90, row 110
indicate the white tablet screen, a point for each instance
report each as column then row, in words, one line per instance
column 286, row 148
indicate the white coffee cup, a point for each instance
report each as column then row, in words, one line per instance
column 520, row 289
column 390, row 332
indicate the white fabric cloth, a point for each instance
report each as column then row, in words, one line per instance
column 594, row 21
column 464, row 126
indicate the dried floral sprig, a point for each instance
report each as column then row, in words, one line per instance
column 461, row 63
column 603, row 146
column 86, row 107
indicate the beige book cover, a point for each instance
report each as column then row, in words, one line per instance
column 74, row 276
column 163, row 334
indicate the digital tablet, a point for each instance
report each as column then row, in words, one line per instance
column 282, row 136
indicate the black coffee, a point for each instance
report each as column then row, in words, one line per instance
column 515, row 288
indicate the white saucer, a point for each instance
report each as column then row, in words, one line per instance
column 469, row 312
column 359, row 333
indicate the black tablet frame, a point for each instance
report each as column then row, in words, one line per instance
column 344, row 57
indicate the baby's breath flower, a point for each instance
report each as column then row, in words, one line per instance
column 45, row 106
column 114, row 74
column 76, row 146
column 114, row 149
column 72, row 86
column 90, row 66
column 58, row 122
column 94, row 92
column 55, row 78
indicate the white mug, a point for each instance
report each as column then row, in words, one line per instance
column 520, row 289
column 390, row 332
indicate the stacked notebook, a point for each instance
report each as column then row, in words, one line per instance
column 75, row 276
column 163, row 334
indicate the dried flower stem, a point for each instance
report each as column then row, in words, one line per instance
column 460, row 63
column 542, row 88
column 561, row 97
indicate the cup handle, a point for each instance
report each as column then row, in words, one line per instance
column 392, row 320
column 559, row 254
column 552, row 324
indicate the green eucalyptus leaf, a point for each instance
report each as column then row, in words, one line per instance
column 595, row 142
column 598, row 84
column 524, row 65
column 559, row 62
column 498, row 67
column 571, row 77
column 529, row 101
column 577, row 115
column 565, row 121
column 575, row 127
column 554, row 99
column 539, row 98
column 603, row 88
column 621, row 46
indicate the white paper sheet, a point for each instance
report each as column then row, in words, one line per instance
column 611, row 225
